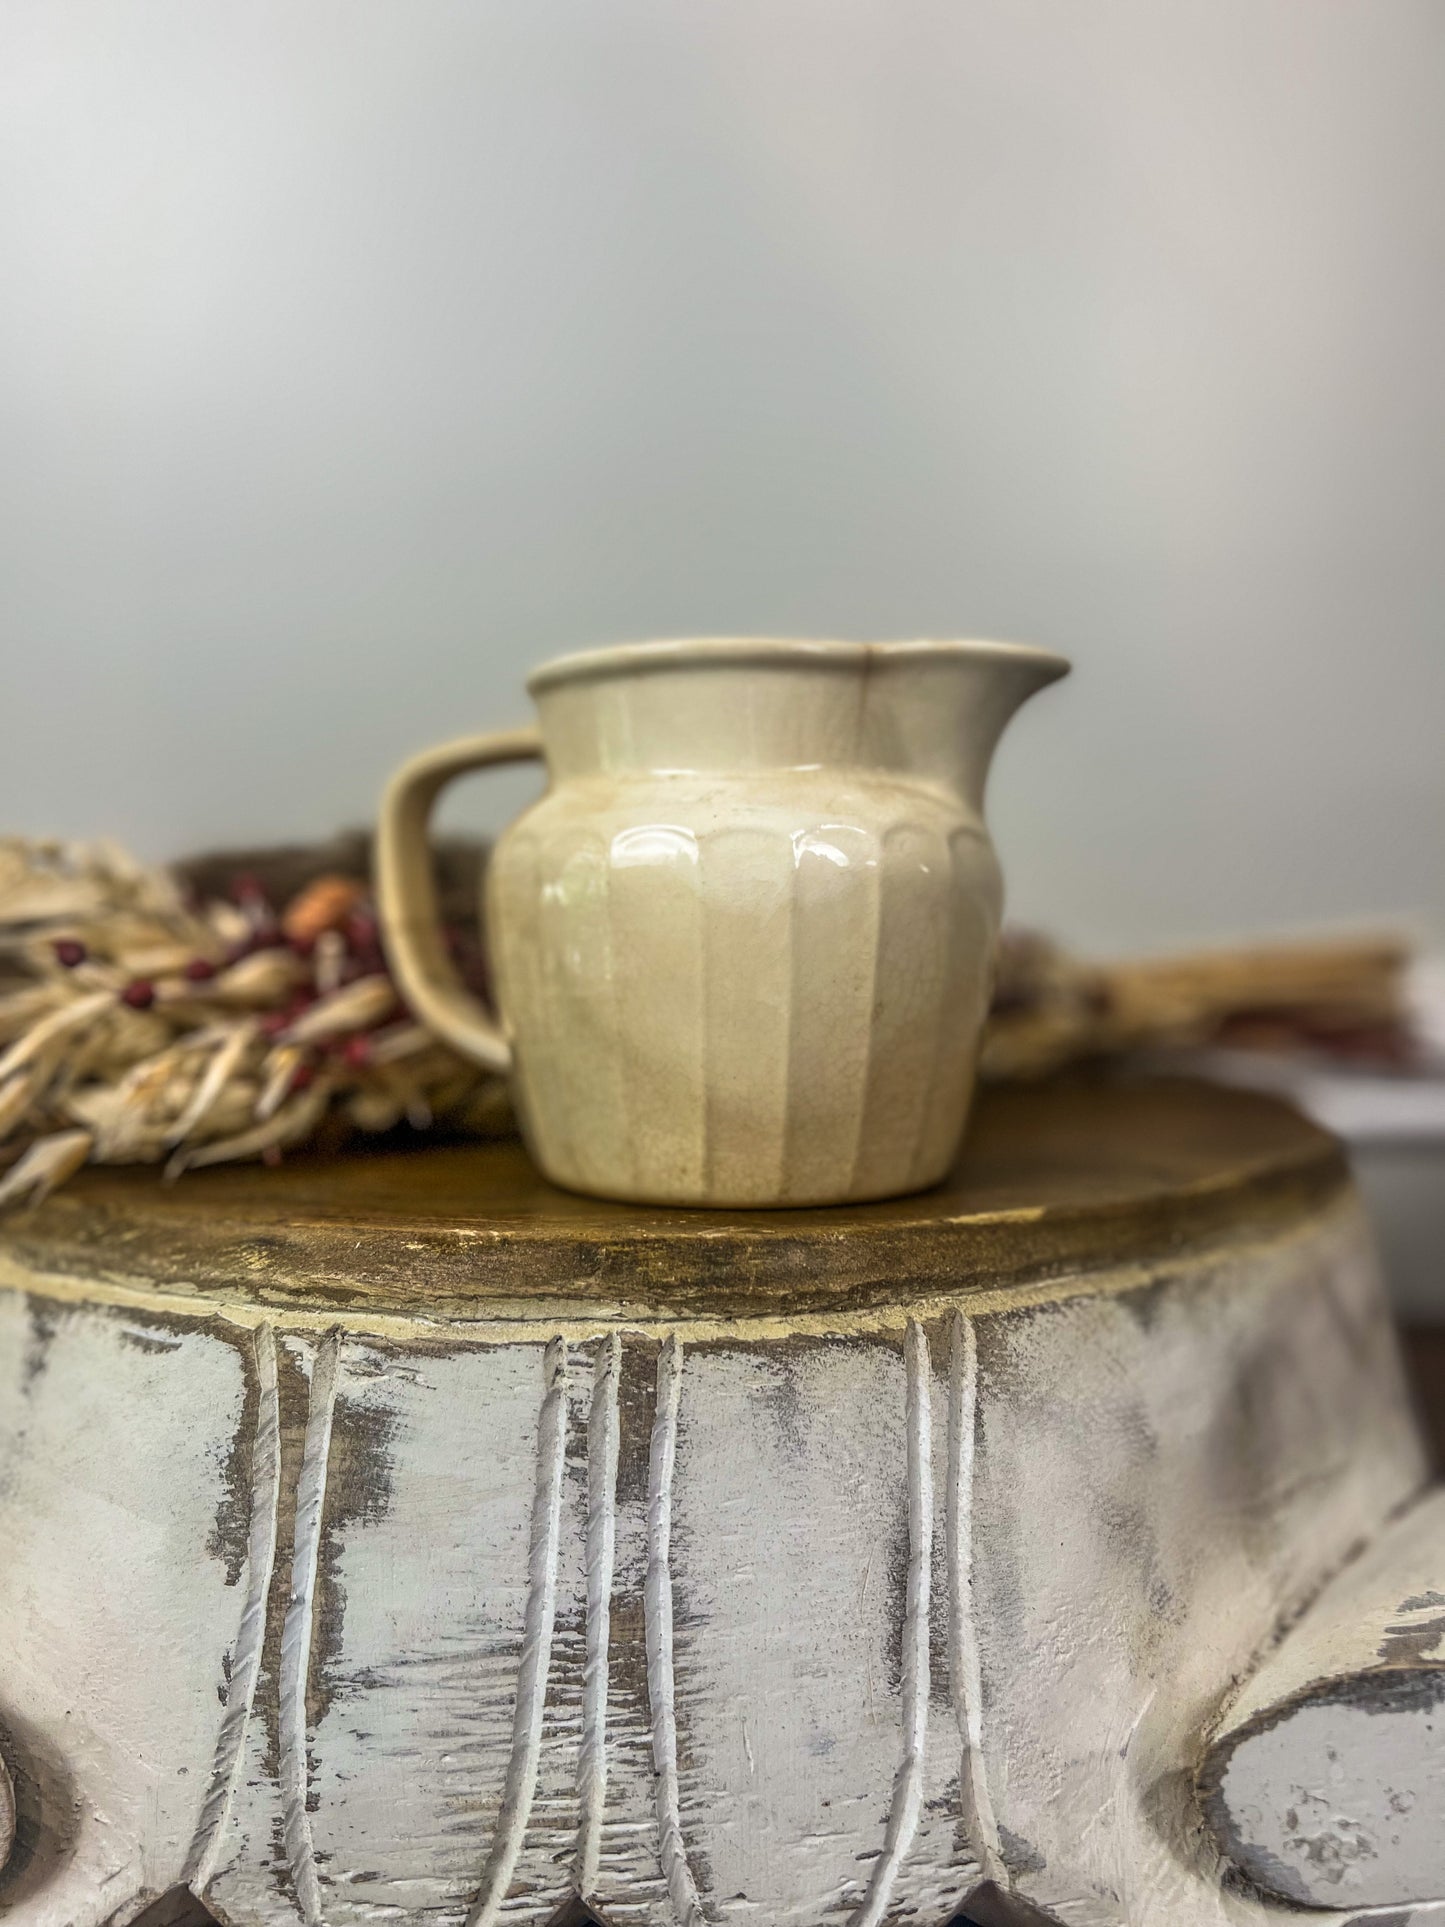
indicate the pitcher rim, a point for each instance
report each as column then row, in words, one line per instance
column 586, row 665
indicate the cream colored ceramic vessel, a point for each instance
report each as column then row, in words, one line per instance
column 744, row 944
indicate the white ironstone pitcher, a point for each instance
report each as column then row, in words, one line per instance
column 744, row 944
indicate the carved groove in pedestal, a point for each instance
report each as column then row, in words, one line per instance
column 965, row 1665
column 297, row 1631
column 7, row 1814
column 657, row 1614
column 521, row 1782
column 908, row 1783
column 602, row 1456
column 230, row 1757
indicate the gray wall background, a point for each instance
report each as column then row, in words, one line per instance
column 356, row 355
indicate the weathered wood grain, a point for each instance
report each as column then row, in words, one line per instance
column 661, row 1658
column 914, row 1671
column 124, row 1476
column 211, row 1826
column 858, row 1616
column 1161, row 1478
column 601, row 1543
column 520, row 1788
column 7, row 1814
column 1327, row 1782
column 299, row 1628
column 964, row 1663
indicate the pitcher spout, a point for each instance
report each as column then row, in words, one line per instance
column 940, row 707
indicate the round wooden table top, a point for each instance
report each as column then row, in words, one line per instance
column 1053, row 1182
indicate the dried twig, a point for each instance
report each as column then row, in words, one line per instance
column 47, row 1163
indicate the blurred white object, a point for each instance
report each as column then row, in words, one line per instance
column 1394, row 1124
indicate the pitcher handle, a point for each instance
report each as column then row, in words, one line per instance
column 406, row 897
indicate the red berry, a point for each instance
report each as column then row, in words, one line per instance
column 304, row 1077
column 139, row 994
column 200, row 970
column 70, row 951
column 274, row 1022
column 356, row 1052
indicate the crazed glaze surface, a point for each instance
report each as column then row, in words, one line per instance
column 745, row 944
column 769, row 998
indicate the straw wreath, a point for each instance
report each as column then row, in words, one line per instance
column 140, row 1026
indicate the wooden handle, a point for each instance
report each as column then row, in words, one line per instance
column 407, row 900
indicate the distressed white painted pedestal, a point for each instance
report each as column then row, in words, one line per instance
column 402, row 1540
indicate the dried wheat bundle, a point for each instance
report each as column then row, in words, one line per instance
column 137, row 1026
column 1343, row 999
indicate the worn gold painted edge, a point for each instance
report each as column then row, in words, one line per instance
column 468, row 1275
column 542, row 1319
